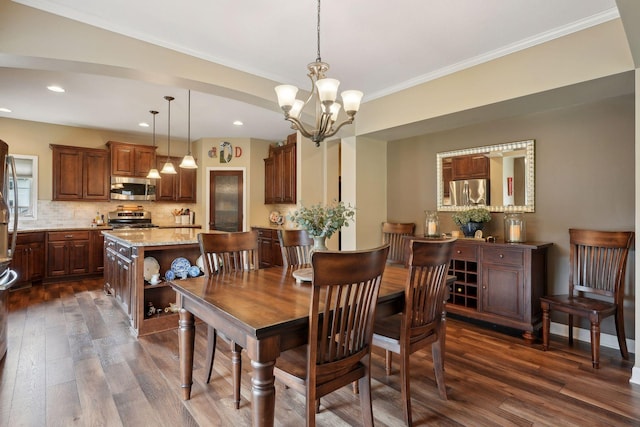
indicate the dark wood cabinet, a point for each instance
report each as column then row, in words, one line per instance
column 68, row 253
column 280, row 175
column 447, row 173
column 97, row 252
column 499, row 283
column 80, row 173
column 473, row 166
column 181, row 187
column 131, row 159
column 269, row 250
column 28, row 258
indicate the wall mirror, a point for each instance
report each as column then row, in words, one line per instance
column 500, row 177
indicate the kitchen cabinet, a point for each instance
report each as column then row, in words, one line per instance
column 28, row 258
column 473, row 166
column 131, row 159
column 447, row 173
column 68, row 253
column 181, row 187
column 269, row 251
column 97, row 252
column 280, row 175
column 80, row 174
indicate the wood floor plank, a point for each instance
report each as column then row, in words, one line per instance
column 72, row 361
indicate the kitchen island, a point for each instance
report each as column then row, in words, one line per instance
column 124, row 253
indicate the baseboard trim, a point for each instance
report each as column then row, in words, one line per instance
column 606, row 340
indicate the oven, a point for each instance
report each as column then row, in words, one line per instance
column 130, row 217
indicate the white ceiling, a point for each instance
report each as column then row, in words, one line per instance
column 378, row 47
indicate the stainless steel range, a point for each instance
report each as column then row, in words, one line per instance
column 127, row 216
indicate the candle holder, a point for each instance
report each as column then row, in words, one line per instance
column 514, row 228
column 431, row 224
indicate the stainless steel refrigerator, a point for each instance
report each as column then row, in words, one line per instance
column 469, row 192
column 7, row 276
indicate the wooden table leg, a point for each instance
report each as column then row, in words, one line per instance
column 263, row 354
column 186, row 342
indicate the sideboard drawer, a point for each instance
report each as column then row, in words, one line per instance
column 503, row 256
column 465, row 252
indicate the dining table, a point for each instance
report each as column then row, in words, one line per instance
column 265, row 311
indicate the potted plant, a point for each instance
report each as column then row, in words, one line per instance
column 321, row 222
column 471, row 220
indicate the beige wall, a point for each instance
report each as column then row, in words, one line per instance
column 584, row 177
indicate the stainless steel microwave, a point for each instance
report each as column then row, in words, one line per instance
column 130, row 188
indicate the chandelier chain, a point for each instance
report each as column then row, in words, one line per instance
column 318, row 59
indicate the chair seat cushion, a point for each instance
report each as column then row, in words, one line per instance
column 579, row 303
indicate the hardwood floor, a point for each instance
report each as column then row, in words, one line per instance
column 72, row 362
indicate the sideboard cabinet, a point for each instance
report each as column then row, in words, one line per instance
column 499, row 283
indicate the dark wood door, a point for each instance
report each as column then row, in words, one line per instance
column 226, row 196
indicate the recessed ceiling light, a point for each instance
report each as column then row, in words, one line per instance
column 54, row 88
column 4, row 110
column 143, row 124
column 238, row 123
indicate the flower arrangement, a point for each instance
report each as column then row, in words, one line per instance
column 321, row 220
column 471, row 215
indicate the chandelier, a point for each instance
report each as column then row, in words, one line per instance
column 325, row 91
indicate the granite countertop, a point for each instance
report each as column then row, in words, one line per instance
column 155, row 236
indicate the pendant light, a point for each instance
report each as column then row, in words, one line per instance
column 168, row 167
column 188, row 162
column 153, row 172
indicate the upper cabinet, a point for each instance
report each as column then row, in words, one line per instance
column 181, row 187
column 80, row 173
column 280, row 175
column 131, row 159
column 474, row 166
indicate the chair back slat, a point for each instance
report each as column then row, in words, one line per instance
column 598, row 261
column 345, row 292
column 295, row 246
column 426, row 286
column 392, row 233
column 229, row 252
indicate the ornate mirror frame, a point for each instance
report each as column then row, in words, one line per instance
column 528, row 146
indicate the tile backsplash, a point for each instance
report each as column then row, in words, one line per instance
column 53, row 214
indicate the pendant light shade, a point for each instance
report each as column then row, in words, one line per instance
column 188, row 162
column 153, row 172
column 168, row 167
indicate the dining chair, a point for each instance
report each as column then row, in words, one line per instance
column 295, row 246
column 597, row 264
column 344, row 293
column 224, row 253
column 392, row 233
column 423, row 321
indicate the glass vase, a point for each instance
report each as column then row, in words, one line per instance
column 431, row 224
column 514, row 228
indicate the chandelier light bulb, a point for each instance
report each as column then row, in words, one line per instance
column 351, row 100
column 286, row 95
column 334, row 110
column 296, row 110
column 327, row 89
